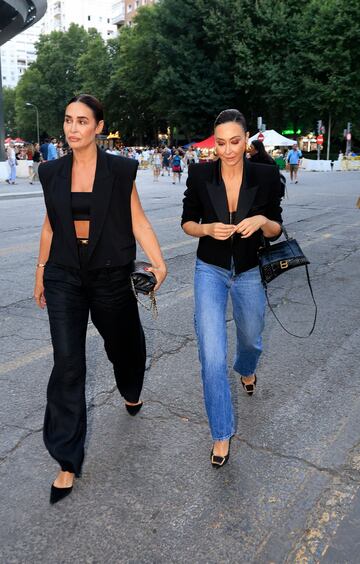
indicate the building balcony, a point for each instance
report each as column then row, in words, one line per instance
column 56, row 9
column 118, row 13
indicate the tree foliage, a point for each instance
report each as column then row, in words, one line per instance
column 9, row 112
column 182, row 63
column 52, row 79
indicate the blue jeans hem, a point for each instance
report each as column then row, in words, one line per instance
column 242, row 373
column 224, row 438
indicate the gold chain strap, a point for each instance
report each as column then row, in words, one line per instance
column 153, row 305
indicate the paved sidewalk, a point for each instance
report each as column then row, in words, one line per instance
column 21, row 189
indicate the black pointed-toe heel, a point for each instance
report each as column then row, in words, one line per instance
column 57, row 494
column 249, row 388
column 219, row 461
column 133, row 409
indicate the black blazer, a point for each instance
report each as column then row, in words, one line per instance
column 206, row 202
column 111, row 239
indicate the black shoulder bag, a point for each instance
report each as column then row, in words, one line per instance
column 279, row 258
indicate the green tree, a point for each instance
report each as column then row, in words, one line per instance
column 52, row 79
column 195, row 78
column 181, row 67
column 9, row 112
column 32, row 88
column 94, row 67
column 330, row 77
column 132, row 95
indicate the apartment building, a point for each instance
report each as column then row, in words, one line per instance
column 17, row 54
column 124, row 11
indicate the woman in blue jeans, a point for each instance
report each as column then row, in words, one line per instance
column 230, row 205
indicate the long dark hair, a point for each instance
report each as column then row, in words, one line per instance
column 231, row 115
column 92, row 103
column 262, row 155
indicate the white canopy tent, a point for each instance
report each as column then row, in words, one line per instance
column 273, row 139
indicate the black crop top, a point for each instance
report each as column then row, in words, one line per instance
column 81, row 205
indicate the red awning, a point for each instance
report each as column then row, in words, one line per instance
column 19, row 140
column 8, row 140
column 208, row 143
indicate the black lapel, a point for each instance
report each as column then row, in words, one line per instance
column 248, row 191
column 102, row 190
column 217, row 193
column 62, row 201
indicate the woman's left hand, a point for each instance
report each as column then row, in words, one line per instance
column 248, row 226
column 160, row 273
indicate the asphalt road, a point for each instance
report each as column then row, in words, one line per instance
column 148, row 494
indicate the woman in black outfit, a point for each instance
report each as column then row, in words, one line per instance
column 87, row 249
column 258, row 153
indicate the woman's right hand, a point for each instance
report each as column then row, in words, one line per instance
column 219, row 231
column 160, row 273
column 39, row 288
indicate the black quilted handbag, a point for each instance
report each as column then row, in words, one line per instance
column 279, row 258
column 144, row 282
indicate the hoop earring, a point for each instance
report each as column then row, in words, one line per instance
column 215, row 153
column 248, row 148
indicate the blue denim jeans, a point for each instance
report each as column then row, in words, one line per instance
column 212, row 287
column 12, row 175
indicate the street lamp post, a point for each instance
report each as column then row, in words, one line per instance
column 37, row 119
column 2, row 130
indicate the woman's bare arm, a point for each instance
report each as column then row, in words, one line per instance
column 145, row 236
column 44, row 251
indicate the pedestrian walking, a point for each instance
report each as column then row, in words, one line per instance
column 36, row 162
column 189, row 156
column 30, row 161
column 52, row 150
column 87, row 250
column 176, row 166
column 44, row 149
column 11, row 157
column 293, row 158
column 229, row 205
column 156, row 160
column 166, row 161
column 60, row 150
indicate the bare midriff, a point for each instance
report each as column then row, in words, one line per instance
column 82, row 229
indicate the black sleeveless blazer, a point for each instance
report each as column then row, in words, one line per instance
column 111, row 239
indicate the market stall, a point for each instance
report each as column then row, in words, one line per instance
column 272, row 138
column 207, row 147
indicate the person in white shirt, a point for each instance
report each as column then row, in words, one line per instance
column 157, row 160
column 12, row 163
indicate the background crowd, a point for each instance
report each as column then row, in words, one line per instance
column 162, row 160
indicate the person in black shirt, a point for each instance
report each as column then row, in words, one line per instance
column 36, row 162
column 258, row 153
column 229, row 205
column 87, row 250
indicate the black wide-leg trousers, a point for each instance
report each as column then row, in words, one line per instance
column 70, row 296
